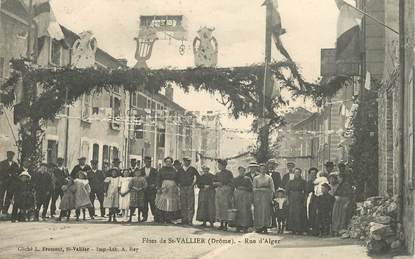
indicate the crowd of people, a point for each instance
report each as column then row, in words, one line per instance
column 258, row 198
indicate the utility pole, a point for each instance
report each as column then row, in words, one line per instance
column 263, row 104
column 401, row 119
column 30, row 31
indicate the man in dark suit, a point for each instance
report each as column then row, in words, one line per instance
column 275, row 175
column 43, row 185
column 187, row 180
column 81, row 166
column 151, row 190
column 60, row 173
column 9, row 171
column 96, row 181
column 289, row 175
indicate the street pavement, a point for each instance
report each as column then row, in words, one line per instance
column 97, row 239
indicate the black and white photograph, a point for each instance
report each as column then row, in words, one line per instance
column 213, row 129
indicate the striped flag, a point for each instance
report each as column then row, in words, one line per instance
column 348, row 33
column 46, row 20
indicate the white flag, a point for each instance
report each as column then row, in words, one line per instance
column 368, row 81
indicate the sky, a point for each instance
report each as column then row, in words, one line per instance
column 239, row 28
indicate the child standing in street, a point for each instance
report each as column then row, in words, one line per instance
column 24, row 200
column 67, row 203
column 136, row 191
column 125, row 199
column 112, row 190
column 324, row 210
column 281, row 209
column 82, row 200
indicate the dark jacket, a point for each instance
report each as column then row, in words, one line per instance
column 42, row 183
column 276, row 178
column 225, row 177
column 325, row 204
column 187, row 177
column 60, row 176
column 151, row 179
column 243, row 183
column 285, row 180
column 96, row 181
column 24, row 196
column 8, row 173
column 77, row 168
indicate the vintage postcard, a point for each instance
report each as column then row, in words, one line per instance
column 207, row 129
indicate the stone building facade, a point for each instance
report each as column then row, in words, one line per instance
column 14, row 30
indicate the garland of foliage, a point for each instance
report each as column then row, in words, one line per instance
column 240, row 88
column 364, row 149
column 249, row 153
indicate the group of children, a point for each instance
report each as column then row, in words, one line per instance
column 323, row 210
column 122, row 194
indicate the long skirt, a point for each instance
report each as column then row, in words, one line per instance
column 137, row 199
column 206, row 205
column 168, row 198
column 243, row 203
column 296, row 212
column 223, row 202
column 340, row 213
column 187, row 203
column 262, row 208
column 312, row 221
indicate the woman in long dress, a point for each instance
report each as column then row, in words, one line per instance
column 112, row 195
column 243, row 200
column 206, row 200
column 224, row 194
column 125, row 199
column 167, row 198
column 296, row 190
column 343, row 196
column 264, row 190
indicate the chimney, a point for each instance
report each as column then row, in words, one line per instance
column 123, row 61
column 169, row 92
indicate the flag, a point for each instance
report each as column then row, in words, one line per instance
column 276, row 26
column 368, row 81
column 46, row 21
column 348, row 33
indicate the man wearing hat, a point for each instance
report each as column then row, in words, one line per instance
column 134, row 165
column 151, row 190
column 275, row 175
column 9, row 171
column 252, row 170
column 329, row 166
column 96, row 182
column 59, row 175
column 187, row 180
column 289, row 175
column 81, row 166
column 276, row 178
